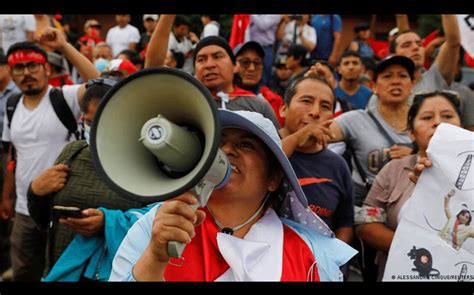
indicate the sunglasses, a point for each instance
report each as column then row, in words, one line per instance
column 245, row 63
column 422, row 95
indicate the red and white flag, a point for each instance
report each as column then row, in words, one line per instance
column 466, row 27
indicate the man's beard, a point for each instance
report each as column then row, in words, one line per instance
column 32, row 91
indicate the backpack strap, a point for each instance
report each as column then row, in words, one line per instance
column 10, row 108
column 12, row 103
column 64, row 113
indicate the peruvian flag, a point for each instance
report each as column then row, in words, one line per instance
column 466, row 27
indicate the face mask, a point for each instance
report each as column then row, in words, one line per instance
column 101, row 64
column 87, row 133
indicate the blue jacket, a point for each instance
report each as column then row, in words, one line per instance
column 92, row 257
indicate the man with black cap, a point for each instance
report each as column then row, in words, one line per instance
column 361, row 42
column 214, row 66
column 250, row 58
column 297, row 61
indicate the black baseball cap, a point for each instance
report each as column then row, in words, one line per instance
column 405, row 62
column 3, row 59
column 296, row 50
column 249, row 45
column 361, row 27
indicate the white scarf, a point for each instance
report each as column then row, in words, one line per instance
column 257, row 257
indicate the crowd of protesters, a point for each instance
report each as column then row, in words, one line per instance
column 339, row 119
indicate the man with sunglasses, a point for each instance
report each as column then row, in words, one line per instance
column 38, row 137
column 250, row 59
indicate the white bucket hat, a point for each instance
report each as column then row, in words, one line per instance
column 295, row 204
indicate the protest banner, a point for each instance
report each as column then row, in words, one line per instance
column 435, row 237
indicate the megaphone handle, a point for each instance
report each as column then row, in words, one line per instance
column 202, row 191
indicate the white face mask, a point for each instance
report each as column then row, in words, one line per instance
column 87, row 133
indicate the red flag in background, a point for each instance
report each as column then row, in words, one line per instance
column 239, row 26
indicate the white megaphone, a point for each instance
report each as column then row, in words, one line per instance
column 156, row 135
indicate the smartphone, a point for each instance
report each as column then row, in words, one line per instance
column 65, row 212
column 296, row 17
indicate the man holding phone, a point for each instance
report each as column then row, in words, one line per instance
column 294, row 29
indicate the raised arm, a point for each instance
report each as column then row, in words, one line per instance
column 309, row 44
column 402, row 22
column 448, row 56
column 446, row 203
column 373, row 25
column 56, row 40
column 281, row 27
column 158, row 46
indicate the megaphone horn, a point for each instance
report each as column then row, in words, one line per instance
column 156, row 135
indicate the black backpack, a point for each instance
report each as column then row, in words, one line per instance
column 61, row 108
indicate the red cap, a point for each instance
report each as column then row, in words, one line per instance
column 122, row 65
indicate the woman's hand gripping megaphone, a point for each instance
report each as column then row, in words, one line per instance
column 180, row 150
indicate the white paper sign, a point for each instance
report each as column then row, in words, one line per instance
column 466, row 29
column 434, row 239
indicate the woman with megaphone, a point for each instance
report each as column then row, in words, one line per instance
column 256, row 228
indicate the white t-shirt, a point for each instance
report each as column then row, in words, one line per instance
column 14, row 28
column 211, row 29
column 309, row 33
column 39, row 137
column 119, row 38
column 185, row 46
